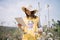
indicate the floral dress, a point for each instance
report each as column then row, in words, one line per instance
column 31, row 29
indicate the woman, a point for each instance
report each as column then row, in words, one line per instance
column 32, row 21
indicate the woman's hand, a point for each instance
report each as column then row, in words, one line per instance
column 40, row 30
column 19, row 25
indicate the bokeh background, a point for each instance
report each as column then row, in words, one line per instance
column 48, row 10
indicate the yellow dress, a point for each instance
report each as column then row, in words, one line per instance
column 30, row 29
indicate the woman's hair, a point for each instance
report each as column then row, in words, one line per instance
column 32, row 14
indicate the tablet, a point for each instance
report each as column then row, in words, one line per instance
column 20, row 21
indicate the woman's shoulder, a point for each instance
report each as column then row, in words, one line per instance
column 37, row 17
column 25, row 18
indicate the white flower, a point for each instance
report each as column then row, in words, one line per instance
column 50, row 38
column 44, row 34
column 50, row 34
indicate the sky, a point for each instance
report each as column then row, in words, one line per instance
column 10, row 9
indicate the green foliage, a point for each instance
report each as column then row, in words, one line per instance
column 57, row 29
column 11, row 33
